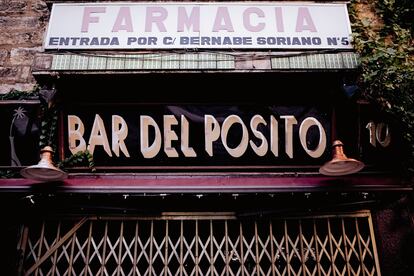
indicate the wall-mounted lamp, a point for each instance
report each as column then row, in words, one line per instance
column 44, row 170
column 340, row 164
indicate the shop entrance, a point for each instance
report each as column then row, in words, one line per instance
column 201, row 244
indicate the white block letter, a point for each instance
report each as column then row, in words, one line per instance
column 188, row 151
column 289, row 122
column 119, row 133
column 274, row 136
column 169, row 135
column 303, row 130
column 75, row 133
column 241, row 148
column 211, row 132
column 98, row 136
column 254, row 122
column 149, row 151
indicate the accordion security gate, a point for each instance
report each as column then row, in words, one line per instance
column 201, row 244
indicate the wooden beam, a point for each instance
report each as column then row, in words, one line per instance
column 56, row 246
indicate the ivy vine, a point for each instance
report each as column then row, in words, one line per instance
column 79, row 158
column 383, row 36
column 4, row 173
column 21, row 95
column 48, row 127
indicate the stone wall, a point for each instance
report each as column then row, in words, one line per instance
column 22, row 26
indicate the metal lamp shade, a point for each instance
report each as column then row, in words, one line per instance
column 340, row 164
column 44, row 170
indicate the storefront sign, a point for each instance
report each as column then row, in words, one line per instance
column 166, row 25
column 199, row 135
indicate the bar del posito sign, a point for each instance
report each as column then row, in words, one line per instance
column 167, row 25
column 198, row 135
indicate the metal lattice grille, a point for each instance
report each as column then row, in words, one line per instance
column 204, row 245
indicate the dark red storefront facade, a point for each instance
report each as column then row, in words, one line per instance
column 207, row 160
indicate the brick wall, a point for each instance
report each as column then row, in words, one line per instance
column 22, row 26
